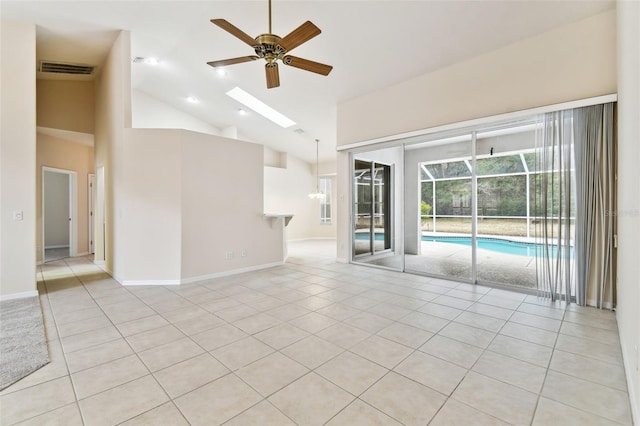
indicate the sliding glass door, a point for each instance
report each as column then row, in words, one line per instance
column 372, row 215
column 469, row 206
column 374, row 222
column 439, row 208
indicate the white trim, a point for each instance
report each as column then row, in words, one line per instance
column 341, row 260
column 22, row 295
column 230, row 272
column 56, row 246
column 150, row 282
column 484, row 120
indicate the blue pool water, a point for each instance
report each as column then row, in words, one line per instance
column 493, row 244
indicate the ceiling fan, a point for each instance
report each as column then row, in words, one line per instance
column 273, row 48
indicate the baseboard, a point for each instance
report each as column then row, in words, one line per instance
column 230, row 272
column 310, row 238
column 84, row 253
column 149, row 282
column 99, row 262
column 22, row 295
column 629, row 368
column 56, row 246
column 341, row 260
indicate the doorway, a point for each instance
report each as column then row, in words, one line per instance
column 58, row 214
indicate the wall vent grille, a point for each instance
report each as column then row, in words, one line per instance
column 65, row 68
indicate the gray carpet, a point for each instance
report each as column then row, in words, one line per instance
column 23, row 346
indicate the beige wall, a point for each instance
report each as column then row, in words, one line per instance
column 17, row 159
column 112, row 89
column 66, row 105
column 184, row 209
column 572, row 62
column 152, row 220
column 222, row 207
column 628, row 296
column 71, row 156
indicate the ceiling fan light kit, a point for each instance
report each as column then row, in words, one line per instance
column 273, row 48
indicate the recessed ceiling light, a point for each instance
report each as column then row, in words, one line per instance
column 192, row 100
column 242, row 111
column 221, row 72
column 260, row 107
column 151, row 61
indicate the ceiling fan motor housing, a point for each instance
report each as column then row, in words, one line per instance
column 269, row 48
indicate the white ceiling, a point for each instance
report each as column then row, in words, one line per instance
column 371, row 44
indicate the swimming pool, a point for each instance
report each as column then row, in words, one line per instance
column 493, row 244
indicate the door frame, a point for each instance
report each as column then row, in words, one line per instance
column 73, row 205
column 91, row 188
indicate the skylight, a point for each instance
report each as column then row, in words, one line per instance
column 260, row 107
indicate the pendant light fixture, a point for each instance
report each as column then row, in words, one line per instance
column 317, row 194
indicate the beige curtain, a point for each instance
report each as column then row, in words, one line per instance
column 596, row 204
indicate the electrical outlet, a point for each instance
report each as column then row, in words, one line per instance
column 243, row 253
column 228, row 255
column 17, row 215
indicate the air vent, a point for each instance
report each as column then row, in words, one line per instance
column 66, row 68
column 298, row 131
column 138, row 59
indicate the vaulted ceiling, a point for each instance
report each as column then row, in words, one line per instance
column 371, row 44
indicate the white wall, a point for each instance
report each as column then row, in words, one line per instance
column 149, row 112
column 628, row 294
column 286, row 190
column 287, row 184
column 56, row 209
column 17, row 159
column 572, row 62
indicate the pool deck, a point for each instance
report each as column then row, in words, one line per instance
column 454, row 261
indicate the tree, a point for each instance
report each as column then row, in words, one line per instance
column 425, row 209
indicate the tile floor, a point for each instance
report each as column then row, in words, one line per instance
column 315, row 342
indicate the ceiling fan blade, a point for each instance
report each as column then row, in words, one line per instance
column 235, row 31
column 302, row 34
column 273, row 77
column 232, row 61
column 307, row 65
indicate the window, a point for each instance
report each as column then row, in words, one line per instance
column 325, row 203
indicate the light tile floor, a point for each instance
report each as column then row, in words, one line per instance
column 315, row 342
